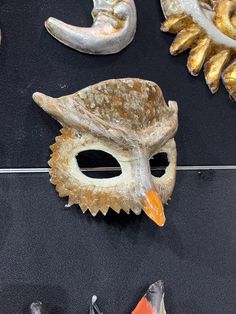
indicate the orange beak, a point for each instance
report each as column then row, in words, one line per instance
column 153, row 207
column 144, row 307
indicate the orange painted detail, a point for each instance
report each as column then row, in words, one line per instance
column 144, row 307
column 153, row 207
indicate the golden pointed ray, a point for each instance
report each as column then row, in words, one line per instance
column 176, row 23
column 185, row 39
column 229, row 79
column 198, row 55
column 214, row 67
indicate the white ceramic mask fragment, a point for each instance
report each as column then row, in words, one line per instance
column 153, row 300
column 113, row 28
column 127, row 118
column 38, row 308
column 208, row 28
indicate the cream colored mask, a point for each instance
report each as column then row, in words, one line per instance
column 208, row 28
column 127, row 118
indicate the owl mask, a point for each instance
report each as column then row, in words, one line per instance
column 128, row 119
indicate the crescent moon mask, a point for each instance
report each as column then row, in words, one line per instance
column 113, row 28
column 127, row 118
column 208, row 28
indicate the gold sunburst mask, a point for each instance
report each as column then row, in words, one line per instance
column 208, row 28
column 127, row 118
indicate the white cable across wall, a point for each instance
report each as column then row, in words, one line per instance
column 102, row 169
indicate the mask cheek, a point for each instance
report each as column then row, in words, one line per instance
column 89, row 193
column 166, row 182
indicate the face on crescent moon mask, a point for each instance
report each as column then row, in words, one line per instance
column 113, row 28
column 151, row 303
column 128, row 119
column 208, row 28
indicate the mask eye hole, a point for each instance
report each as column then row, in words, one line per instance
column 102, row 161
column 158, row 164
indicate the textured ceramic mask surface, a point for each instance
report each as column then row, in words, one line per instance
column 38, row 308
column 208, row 28
column 127, row 118
column 113, row 28
column 153, row 300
